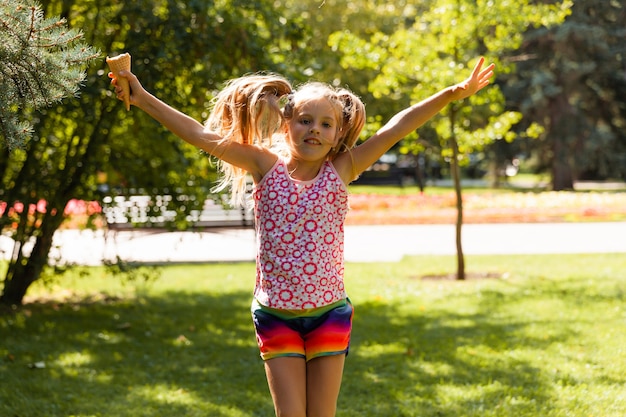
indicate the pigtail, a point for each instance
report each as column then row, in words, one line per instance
column 246, row 111
column 353, row 120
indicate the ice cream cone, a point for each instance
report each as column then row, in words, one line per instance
column 117, row 64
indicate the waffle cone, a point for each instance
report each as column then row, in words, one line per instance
column 117, row 64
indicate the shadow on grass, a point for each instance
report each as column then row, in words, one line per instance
column 180, row 354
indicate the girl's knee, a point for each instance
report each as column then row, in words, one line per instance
column 289, row 412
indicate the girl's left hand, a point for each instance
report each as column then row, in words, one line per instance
column 479, row 79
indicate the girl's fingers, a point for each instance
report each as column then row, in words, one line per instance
column 117, row 90
column 478, row 66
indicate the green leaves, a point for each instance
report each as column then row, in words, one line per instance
column 41, row 62
column 570, row 78
column 435, row 48
column 183, row 51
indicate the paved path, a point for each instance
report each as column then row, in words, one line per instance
column 363, row 243
column 379, row 243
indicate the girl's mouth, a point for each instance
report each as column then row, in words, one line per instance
column 312, row 141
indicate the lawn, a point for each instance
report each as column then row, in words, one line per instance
column 542, row 336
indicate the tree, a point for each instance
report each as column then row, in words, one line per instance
column 431, row 52
column 183, row 51
column 41, row 62
column 570, row 78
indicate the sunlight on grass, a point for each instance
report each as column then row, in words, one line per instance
column 74, row 359
column 494, row 347
column 472, row 400
column 163, row 394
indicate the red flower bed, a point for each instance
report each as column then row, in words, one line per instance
column 76, row 211
column 486, row 208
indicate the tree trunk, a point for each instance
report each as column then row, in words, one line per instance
column 562, row 172
column 24, row 270
column 456, row 176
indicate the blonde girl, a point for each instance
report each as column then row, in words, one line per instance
column 298, row 146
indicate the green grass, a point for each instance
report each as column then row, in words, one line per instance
column 545, row 339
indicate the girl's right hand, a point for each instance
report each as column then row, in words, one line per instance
column 135, row 86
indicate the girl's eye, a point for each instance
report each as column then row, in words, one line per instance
column 328, row 125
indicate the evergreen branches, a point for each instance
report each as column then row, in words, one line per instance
column 41, row 63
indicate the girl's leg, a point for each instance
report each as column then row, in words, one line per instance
column 323, row 381
column 287, row 378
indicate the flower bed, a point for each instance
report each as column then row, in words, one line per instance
column 487, row 208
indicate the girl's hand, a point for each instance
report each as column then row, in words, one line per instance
column 478, row 80
column 136, row 88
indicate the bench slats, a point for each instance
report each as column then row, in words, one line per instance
column 146, row 212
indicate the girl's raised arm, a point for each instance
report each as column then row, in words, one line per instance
column 408, row 120
column 190, row 130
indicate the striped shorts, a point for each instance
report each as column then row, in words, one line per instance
column 306, row 334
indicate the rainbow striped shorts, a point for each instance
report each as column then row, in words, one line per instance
column 307, row 334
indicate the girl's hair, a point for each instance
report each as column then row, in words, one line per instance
column 248, row 111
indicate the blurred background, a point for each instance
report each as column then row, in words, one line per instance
column 554, row 119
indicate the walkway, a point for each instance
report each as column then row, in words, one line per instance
column 363, row 243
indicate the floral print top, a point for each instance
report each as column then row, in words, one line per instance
column 300, row 238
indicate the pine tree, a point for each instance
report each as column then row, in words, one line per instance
column 41, row 62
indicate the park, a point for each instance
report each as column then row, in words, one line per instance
column 484, row 251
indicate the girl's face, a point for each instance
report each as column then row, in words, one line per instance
column 313, row 130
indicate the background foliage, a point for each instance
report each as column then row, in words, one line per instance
column 41, row 62
column 567, row 86
column 571, row 79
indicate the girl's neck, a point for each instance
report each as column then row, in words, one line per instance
column 303, row 170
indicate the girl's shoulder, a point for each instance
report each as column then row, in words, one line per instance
column 266, row 159
column 271, row 163
column 344, row 165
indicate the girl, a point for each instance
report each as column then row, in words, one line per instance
column 298, row 147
